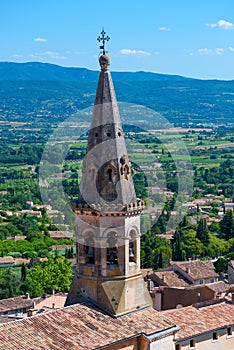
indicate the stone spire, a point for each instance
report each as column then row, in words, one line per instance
column 106, row 167
column 108, row 213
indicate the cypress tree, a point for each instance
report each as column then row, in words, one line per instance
column 202, row 232
column 227, row 225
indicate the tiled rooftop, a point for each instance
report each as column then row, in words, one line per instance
column 197, row 269
column 197, row 320
column 169, row 278
column 221, row 287
column 15, row 303
column 78, row 327
column 61, row 234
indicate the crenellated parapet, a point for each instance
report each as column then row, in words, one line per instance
column 133, row 208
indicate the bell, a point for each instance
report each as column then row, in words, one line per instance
column 131, row 254
column 90, row 253
column 112, row 258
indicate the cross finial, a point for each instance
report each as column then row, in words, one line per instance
column 103, row 38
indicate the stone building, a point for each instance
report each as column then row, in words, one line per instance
column 108, row 214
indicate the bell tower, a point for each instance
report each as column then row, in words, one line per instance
column 108, row 212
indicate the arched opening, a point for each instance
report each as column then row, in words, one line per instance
column 125, row 169
column 133, row 247
column 112, row 249
column 89, row 250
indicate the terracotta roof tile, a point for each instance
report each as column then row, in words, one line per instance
column 6, row 260
column 197, row 320
column 221, row 287
column 15, row 303
column 80, row 326
column 168, row 278
column 197, row 269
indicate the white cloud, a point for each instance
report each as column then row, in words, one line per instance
column 40, row 40
column 219, row 51
column 39, row 56
column 134, row 52
column 17, row 56
column 216, row 51
column 46, row 55
column 53, row 54
column 166, row 29
column 221, row 24
column 231, row 48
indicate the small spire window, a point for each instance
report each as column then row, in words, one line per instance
column 110, row 174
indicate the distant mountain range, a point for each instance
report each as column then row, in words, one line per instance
column 47, row 71
column 35, row 88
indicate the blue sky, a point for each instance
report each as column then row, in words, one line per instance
column 193, row 38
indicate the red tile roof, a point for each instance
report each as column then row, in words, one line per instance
column 197, row 269
column 168, row 278
column 221, row 287
column 61, row 234
column 15, row 303
column 7, row 260
column 197, row 320
column 78, row 327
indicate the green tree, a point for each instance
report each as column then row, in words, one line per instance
column 221, row 265
column 178, row 252
column 202, row 232
column 227, row 225
column 9, row 283
column 23, row 272
column 56, row 273
column 193, row 246
column 217, row 246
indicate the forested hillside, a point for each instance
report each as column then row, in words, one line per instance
column 49, row 93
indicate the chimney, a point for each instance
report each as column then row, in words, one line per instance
column 188, row 269
column 27, row 296
column 150, row 285
column 163, row 278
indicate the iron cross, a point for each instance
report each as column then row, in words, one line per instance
column 102, row 38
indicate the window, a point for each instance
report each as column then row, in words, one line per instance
column 212, row 280
column 192, row 344
column 201, row 281
column 229, row 331
column 215, row 336
column 110, row 171
column 178, row 347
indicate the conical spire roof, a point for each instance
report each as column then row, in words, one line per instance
column 106, row 174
